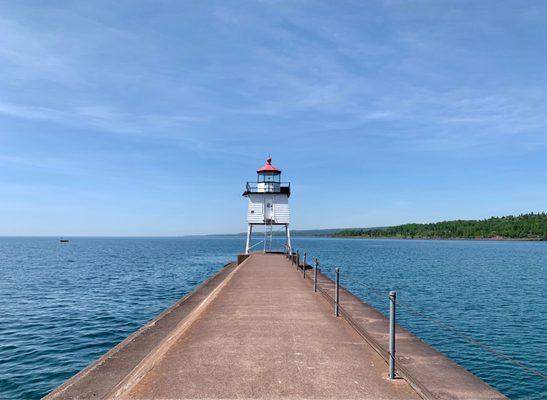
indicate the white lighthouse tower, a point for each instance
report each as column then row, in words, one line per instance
column 268, row 204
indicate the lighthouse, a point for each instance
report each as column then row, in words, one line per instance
column 268, row 205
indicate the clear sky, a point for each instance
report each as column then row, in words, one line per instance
column 147, row 117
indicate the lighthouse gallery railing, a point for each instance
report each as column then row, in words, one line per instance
column 280, row 187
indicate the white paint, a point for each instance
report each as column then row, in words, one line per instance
column 249, row 234
column 268, row 187
column 277, row 212
column 269, row 208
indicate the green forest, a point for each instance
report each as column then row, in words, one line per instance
column 532, row 226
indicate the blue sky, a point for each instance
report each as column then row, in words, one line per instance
column 146, row 118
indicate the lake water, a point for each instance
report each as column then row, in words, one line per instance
column 63, row 305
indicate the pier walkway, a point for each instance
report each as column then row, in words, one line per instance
column 258, row 330
column 266, row 335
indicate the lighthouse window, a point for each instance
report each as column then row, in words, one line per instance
column 268, row 177
column 268, row 205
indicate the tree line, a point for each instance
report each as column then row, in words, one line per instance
column 524, row 226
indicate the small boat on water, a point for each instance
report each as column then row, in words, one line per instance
column 63, row 240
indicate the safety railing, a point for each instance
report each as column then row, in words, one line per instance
column 391, row 295
column 274, row 187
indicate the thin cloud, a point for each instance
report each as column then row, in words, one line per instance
column 100, row 117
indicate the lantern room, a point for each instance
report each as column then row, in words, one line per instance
column 268, row 178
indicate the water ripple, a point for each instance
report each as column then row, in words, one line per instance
column 63, row 306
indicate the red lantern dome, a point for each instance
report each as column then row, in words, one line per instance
column 268, row 167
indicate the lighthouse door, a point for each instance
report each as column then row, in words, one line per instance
column 268, row 209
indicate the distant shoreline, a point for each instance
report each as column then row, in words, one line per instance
column 523, row 227
column 484, row 239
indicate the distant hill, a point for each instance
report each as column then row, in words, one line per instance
column 320, row 232
column 532, row 226
column 304, row 232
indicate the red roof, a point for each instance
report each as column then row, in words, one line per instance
column 268, row 167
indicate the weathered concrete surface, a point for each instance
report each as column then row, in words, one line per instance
column 268, row 335
column 101, row 377
column 432, row 374
column 257, row 330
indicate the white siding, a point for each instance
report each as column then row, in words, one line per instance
column 281, row 209
column 255, row 209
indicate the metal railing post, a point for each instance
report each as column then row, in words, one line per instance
column 392, row 304
column 315, row 265
column 304, row 266
column 337, row 293
column 297, row 259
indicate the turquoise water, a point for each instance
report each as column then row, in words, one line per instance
column 62, row 306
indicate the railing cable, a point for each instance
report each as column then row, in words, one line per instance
column 472, row 340
column 256, row 244
column 496, row 353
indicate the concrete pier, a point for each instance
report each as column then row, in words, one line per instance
column 258, row 330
